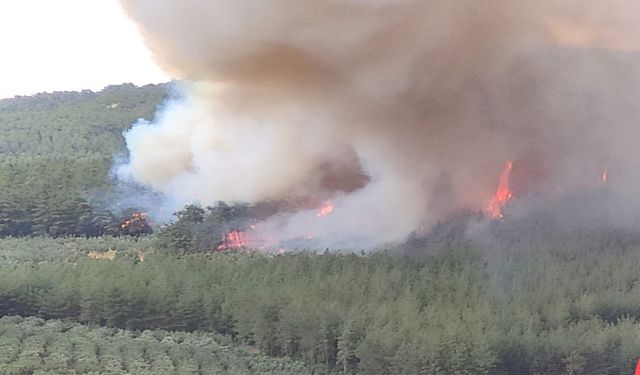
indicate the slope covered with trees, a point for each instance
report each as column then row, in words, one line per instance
column 56, row 153
column 35, row 346
column 460, row 309
column 533, row 299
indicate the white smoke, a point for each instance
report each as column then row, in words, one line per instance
column 400, row 111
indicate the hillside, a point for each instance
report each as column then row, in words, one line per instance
column 35, row 346
column 568, row 307
column 56, row 154
column 530, row 297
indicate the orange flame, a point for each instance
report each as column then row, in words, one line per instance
column 326, row 208
column 136, row 216
column 254, row 238
column 503, row 194
column 234, row 239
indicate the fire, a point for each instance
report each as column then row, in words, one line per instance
column 605, row 176
column 234, row 239
column 135, row 217
column 255, row 238
column 326, row 208
column 252, row 238
column 503, row 194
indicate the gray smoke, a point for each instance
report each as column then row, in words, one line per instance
column 398, row 111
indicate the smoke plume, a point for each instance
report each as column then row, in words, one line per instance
column 398, row 111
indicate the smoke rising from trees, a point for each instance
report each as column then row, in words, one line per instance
column 401, row 112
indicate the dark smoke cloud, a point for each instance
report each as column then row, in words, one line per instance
column 400, row 111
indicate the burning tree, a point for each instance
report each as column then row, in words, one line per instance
column 136, row 224
column 503, row 193
column 234, row 239
column 198, row 229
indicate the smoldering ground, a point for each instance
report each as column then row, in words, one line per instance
column 399, row 111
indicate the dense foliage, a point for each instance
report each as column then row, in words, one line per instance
column 197, row 230
column 34, row 346
column 26, row 250
column 458, row 310
column 527, row 297
column 56, row 153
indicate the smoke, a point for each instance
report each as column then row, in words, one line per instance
column 399, row 111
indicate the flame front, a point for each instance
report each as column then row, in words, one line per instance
column 503, row 194
column 326, row 209
column 255, row 237
column 135, row 217
column 234, row 239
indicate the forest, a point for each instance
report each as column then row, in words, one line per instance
column 32, row 345
column 455, row 310
column 57, row 152
column 79, row 295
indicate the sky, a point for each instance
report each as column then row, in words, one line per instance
column 70, row 45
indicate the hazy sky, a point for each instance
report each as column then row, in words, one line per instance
column 69, row 45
